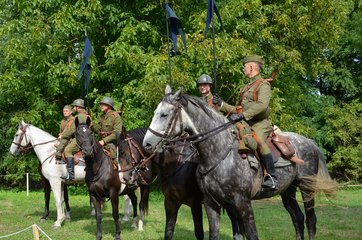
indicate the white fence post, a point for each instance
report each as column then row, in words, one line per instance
column 27, row 184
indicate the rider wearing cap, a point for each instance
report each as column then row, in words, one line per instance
column 66, row 123
column 108, row 125
column 254, row 100
column 68, row 134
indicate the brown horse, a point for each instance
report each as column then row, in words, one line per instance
column 136, row 166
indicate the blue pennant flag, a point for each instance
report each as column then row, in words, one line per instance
column 87, row 53
column 211, row 8
column 176, row 28
column 85, row 67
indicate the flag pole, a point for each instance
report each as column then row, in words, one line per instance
column 214, row 46
column 168, row 48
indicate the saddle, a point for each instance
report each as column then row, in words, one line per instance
column 77, row 159
column 279, row 145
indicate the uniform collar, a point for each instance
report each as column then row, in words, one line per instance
column 253, row 79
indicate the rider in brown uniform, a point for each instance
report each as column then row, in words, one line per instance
column 254, row 99
column 109, row 123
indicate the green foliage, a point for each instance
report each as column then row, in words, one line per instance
column 41, row 45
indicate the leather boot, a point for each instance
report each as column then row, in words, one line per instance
column 270, row 181
column 70, row 165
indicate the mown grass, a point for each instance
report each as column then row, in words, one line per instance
column 340, row 218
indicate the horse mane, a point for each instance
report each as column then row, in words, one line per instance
column 184, row 99
column 46, row 134
column 138, row 134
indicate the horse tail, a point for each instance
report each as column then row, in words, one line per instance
column 322, row 181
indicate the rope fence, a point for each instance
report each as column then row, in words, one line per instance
column 35, row 229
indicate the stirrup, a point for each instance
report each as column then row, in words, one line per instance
column 67, row 178
column 270, row 182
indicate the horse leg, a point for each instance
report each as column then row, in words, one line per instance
column 132, row 196
column 213, row 216
column 245, row 211
column 66, row 200
column 127, row 209
column 47, row 191
column 143, row 206
column 311, row 219
column 196, row 210
column 57, row 188
column 98, row 215
column 171, row 208
column 291, row 204
column 236, row 222
column 113, row 195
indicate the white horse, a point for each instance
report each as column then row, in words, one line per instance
column 44, row 147
column 43, row 144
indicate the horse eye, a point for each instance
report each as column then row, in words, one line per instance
column 163, row 115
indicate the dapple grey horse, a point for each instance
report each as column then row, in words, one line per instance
column 227, row 179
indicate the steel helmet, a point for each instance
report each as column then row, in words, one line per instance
column 108, row 101
column 204, row 78
column 78, row 102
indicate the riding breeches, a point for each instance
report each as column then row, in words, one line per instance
column 71, row 148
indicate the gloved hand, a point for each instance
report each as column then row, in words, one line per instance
column 216, row 100
column 236, row 117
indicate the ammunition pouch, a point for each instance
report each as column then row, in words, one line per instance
column 247, row 141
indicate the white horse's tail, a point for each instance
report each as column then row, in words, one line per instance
column 322, row 182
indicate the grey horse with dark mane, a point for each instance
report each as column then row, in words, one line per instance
column 228, row 180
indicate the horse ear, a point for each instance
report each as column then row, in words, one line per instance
column 76, row 122
column 178, row 93
column 168, row 89
column 88, row 121
column 22, row 123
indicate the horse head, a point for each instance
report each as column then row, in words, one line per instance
column 84, row 137
column 169, row 121
column 21, row 140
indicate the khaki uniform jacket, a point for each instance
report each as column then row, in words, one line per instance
column 66, row 123
column 68, row 133
column 107, row 126
column 256, row 113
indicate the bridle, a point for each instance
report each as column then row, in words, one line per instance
column 171, row 125
column 137, row 166
column 28, row 146
column 167, row 138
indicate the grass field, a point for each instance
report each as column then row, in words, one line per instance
column 340, row 218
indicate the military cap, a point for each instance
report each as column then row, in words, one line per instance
column 204, row 78
column 254, row 58
column 78, row 102
column 67, row 107
column 108, row 101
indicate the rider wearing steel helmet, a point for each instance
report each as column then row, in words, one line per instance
column 204, row 84
column 108, row 125
column 68, row 134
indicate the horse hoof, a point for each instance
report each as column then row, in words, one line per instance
column 43, row 220
column 67, row 216
column 56, row 226
column 125, row 219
